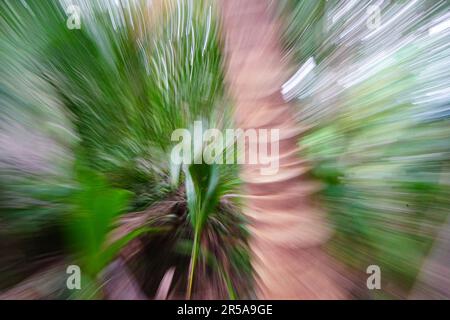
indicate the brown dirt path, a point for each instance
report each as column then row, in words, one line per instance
column 287, row 227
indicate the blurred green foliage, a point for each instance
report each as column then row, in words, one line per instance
column 381, row 149
column 110, row 95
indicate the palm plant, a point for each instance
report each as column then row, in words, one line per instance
column 131, row 75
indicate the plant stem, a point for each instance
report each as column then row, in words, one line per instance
column 194, row 256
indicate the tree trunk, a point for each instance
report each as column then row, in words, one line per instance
column 287, row 227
